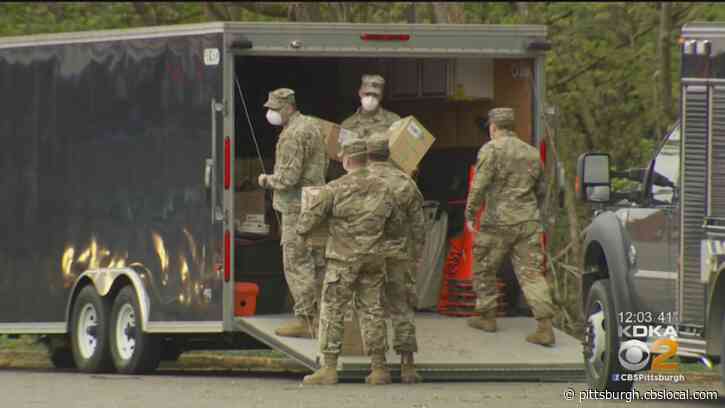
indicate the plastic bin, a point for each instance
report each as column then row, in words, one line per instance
column 245, row 298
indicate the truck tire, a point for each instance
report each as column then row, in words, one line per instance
column 132, row 350
column 89, row 332
column 602, row 341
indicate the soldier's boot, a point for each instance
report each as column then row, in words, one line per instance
column 300, row 327
column 485, row 321
column 544, row 334
column 326, row 375
column 408, row 374
column 379, row 373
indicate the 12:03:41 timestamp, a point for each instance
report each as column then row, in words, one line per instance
column 648, row 318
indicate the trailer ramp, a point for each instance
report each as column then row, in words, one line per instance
column 449, row 350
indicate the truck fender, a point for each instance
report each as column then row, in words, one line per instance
column 104, row 280
column 606, row 238
column 715, row 312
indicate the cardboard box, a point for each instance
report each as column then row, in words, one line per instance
column 317, row 238
column 255, row 218
column 409, row 142
column 248, row 203
column 333, row 135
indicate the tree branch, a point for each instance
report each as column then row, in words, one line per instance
column 560, row 17
column 147, row 14
column 267, row 9
column 559, row 85
column 214, row 13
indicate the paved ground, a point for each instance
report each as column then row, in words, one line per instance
column 197, row 389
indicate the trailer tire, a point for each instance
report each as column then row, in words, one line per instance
column 132, row 350
column 602, row 343
column 89, row 332
column 62, row 358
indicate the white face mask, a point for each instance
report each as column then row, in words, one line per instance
column 369, row 103
column 274, row 118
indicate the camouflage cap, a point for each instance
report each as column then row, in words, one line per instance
column 501, row 116
column 372, row 84
column 279, row 98
column 354, row 147
column 378, row 143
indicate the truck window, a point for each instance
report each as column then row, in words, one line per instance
column 667, row 165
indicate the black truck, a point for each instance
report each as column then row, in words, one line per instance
column 653, row 256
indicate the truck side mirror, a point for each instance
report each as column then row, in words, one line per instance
column 593, row 181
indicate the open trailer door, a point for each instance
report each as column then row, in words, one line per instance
column 467, row 355
column 495, row 65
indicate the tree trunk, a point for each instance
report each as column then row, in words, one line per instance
column 664, row 51
column 147, row 14
column 307, row 12
column 448, row 13
column 410, row 14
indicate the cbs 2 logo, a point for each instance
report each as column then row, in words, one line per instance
column 634, row 355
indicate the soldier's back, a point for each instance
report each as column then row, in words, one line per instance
column 362, row 204
column 512, row 197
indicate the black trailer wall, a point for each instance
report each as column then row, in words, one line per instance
column 102, row 159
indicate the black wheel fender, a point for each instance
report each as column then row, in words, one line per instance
column 606, row 233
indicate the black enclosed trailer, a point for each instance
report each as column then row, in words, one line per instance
column 122, row 149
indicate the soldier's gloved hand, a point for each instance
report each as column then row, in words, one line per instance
column 262, row 180
column 470, row 226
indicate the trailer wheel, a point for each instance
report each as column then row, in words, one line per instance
column 601, row 344
column 132, row 350
column 89, row 332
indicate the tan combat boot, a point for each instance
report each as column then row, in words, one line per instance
column 544, row 334
column 379, row 374
column 326, row 375
column 486, row 322
column 300, row 327
column 408, row 374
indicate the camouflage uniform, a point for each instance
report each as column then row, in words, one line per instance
column 300, row 160
column 509, row 176
column 403, row 247
column 366, row 123
column 360, row 207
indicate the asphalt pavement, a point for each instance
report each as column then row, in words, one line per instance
column 20, row 388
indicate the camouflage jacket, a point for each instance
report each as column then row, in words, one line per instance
column 509, row 178
column 360, row 208
column 406, row 243
column 300, row 160
column 365, row 124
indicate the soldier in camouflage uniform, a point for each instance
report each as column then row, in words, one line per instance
column 509, row 176
column 403, row 249
column 360, row 208
column 370, row 117
column 300, row 160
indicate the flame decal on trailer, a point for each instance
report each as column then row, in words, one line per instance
column 194, row 286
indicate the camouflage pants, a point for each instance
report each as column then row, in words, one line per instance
column 400, row 301
column 492, row 244
column 304, row 268
column 364, row 279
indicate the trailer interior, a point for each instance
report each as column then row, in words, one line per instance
column 451, row 98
